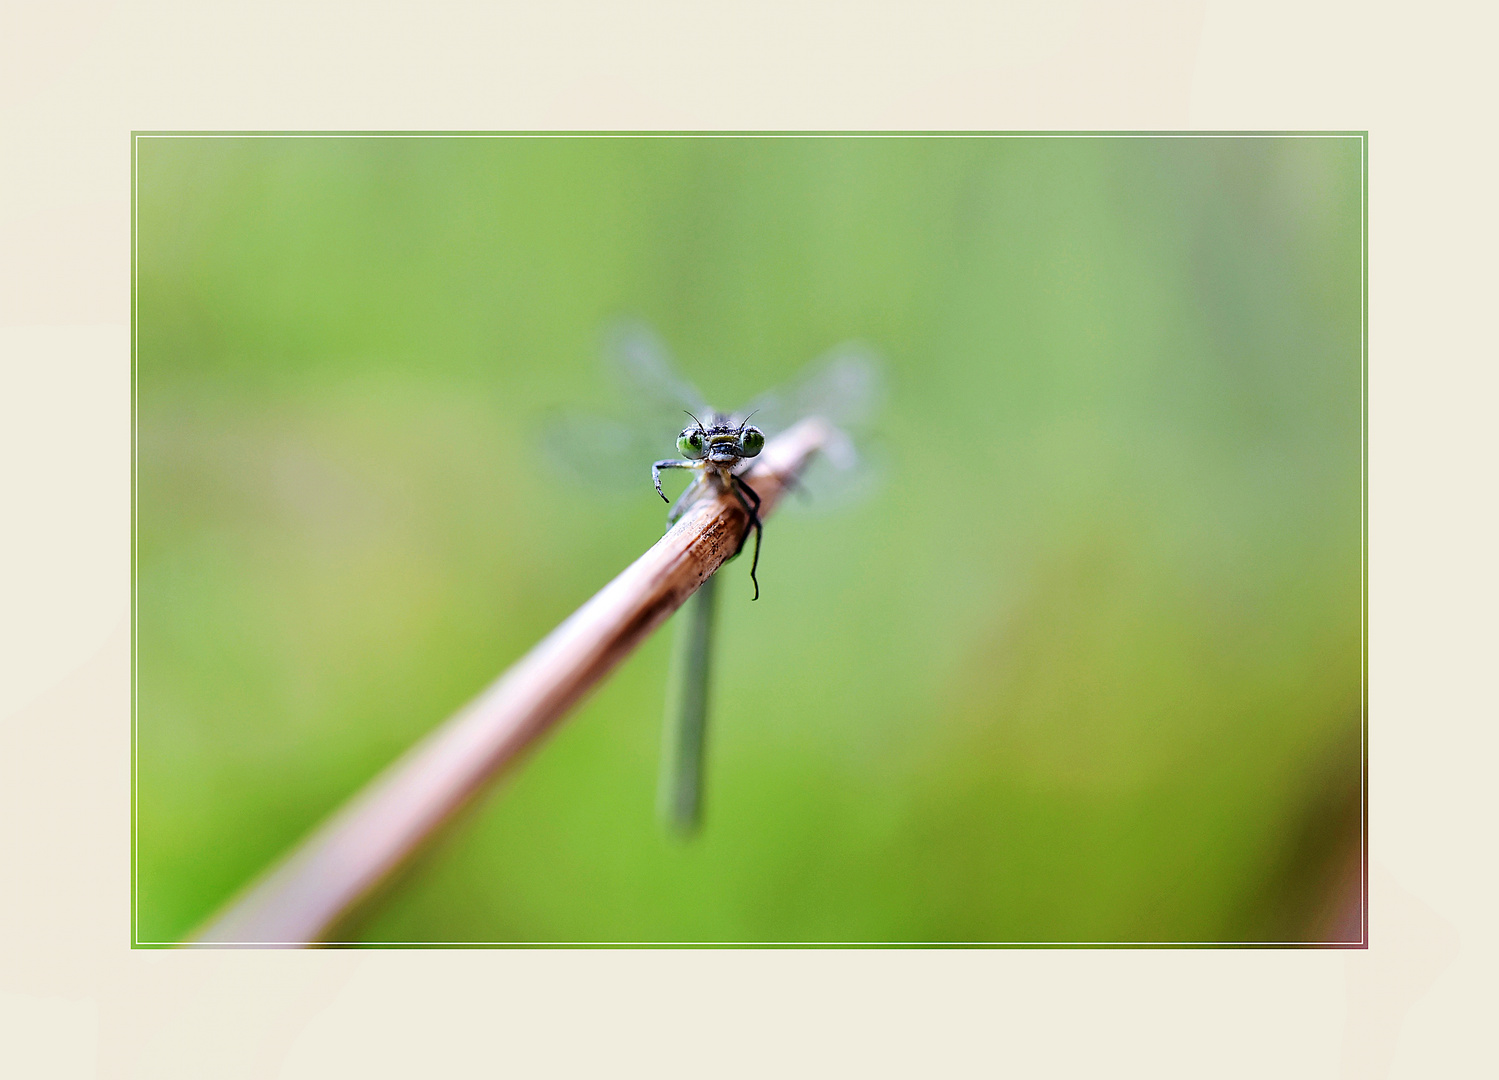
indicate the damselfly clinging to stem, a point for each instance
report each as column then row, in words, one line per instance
column 719, row 448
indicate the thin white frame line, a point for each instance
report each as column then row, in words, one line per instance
column 1363, row 809
column 760, row 944
column 665, row 134
column 135, row 876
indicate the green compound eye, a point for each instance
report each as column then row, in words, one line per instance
column 690, row 444
column 751, row 441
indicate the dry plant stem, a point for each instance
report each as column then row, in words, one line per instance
column 402, row 808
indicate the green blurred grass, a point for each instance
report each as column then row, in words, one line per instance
column 1087, row 667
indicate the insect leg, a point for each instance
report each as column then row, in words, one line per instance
column 741, row 489
column 670, row 463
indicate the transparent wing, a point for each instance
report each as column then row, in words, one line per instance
column 639, row 363
column 837, row 477
column 614, row 451
column 604, row 454
column 845, row 387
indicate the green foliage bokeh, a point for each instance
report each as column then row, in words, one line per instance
column 1085, row 667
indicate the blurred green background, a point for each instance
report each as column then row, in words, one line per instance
column 1086, row 667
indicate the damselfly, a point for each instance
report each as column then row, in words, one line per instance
column 719, row 448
